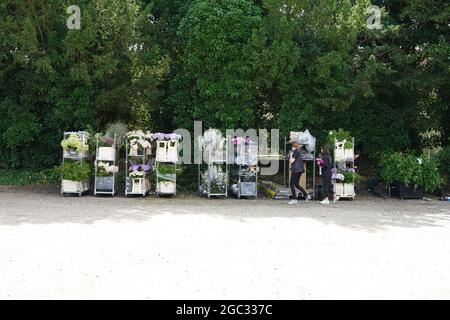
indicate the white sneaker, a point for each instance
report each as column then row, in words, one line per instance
column 325, row 201
column 292, row 202
column 308, row 198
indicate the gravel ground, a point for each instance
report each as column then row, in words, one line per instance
column 193, row 248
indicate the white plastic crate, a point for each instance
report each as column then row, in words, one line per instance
column 139, row 185
column 344, row 190
column 69, row 186
column 106, row 154
column 172, row 151
column 167, row 187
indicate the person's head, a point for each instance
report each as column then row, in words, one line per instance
column 295, row 145
column 325, row 150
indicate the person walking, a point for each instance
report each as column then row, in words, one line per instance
column 326, row 175
column 297, row 169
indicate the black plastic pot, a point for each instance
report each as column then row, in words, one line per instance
column 403, row 191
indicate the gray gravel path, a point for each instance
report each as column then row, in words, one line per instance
column 194, row 248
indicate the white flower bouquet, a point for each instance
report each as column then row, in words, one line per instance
column 139, row 141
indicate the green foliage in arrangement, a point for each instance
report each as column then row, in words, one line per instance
column 74, row 171
column 340, row 136
column 351, row 177
column 168, row 172
column 410, row 170
column 74, row 142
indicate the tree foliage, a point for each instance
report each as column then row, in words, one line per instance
column 159, row 65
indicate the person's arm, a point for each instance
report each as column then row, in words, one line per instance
column 294, row 155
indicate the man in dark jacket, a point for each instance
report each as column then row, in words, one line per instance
column 297, row 169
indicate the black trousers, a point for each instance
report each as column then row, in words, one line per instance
column 326, row 187
column 295, row 183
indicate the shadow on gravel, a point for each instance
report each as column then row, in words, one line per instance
column 367, row 213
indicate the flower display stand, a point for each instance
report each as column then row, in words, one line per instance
column 79, row 157
column 166, row 161
column 137, row 155
column 214, row 181
column 106, row 157
column 344, row 159
column 246, row 158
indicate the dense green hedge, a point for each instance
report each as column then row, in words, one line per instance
column 159, row 65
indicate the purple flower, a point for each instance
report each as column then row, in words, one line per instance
column 159, row 136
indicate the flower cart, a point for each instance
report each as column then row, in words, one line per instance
column 309, row 156
column 105, row 165
column 75, row 169
column 138, row 163
column 213, row 182
column 246, row 160
column 344, row 175
column 166, row 163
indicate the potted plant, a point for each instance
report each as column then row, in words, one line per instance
column 216, row 179
column 137, row 181
column 139, row 143
column 74, row 145
column 409, row 176
column 214, row 145
column 105, row 176
column 75, row 176
column 166, row 178
column 345, row 182
column 106, row 148
column 342, row 143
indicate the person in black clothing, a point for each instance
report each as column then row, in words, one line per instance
column 297, row 169
column 326, row 175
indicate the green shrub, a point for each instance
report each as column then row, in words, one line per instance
column 410, row 170
column 27, row 177
column 444, row 161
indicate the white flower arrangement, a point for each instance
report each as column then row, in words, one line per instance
column 212, row 139
column 105, row 168
column 139, row 139
column 137, row 174
column 75, row 142
column 216, row 178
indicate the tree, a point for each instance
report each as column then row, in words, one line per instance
column 55, row 79
column 215, row 79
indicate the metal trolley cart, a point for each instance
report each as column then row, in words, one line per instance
column 344, row 159
column 213, row 182
column 79, row 157
column 246, row 159
column 107, row 158
column 137, row 185
column 166, row 167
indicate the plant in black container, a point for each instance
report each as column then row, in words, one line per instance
column 409, row 176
